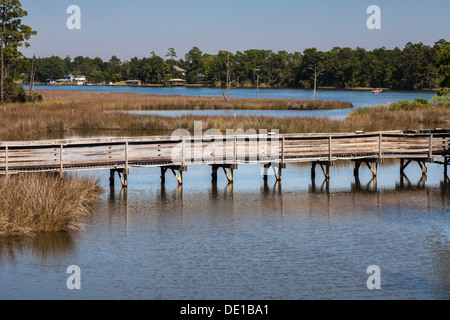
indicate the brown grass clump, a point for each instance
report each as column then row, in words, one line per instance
column 35, row 203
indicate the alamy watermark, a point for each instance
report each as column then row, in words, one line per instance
column 374, row 280
column 374, row 21
column 214, row 147
column 74, row 280
column 74, row 20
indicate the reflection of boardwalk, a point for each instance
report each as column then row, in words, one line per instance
column 273, row 151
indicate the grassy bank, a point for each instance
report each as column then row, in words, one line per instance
column 44, row 203
column 81, row 114
column 136, row 101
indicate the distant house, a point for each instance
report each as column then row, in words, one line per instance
column 134, row 83
column 202, row 78
column 175, row 82
column 80, row 79
column 62, row 81
column 180, row 70
column 67, row 79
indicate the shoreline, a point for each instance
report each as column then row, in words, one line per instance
column 202, row 86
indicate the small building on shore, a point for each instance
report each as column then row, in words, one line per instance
column 203, row 78
column 175, row 82
column 133, row 83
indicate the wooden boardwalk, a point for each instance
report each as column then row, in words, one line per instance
column 226, row 152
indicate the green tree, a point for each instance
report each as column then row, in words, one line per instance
column 444, row 65
column 14, row 34
column 194, row 63
column 51, row 68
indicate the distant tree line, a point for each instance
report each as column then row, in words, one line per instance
column 416, row 66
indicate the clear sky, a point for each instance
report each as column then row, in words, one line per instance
column 129, row 28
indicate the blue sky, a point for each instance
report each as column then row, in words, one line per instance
column 137, row 27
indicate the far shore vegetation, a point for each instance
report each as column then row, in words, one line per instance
column 416, row 66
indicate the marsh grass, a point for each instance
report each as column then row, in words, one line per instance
column 136, row 101
column 88, row 114
column 34, row 203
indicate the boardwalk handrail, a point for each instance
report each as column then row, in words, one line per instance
column 127, row 152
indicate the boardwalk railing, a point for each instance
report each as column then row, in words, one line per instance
column 125, row 153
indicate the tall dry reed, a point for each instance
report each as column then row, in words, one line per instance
column 35, row 203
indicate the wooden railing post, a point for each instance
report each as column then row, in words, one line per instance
column 235, row 150
column 126, row 155
column 61, row 160
column 380, row 146
column 282, row 150
column 6, row 160
column 329, row 149
column 430, row 145
column 183, row 155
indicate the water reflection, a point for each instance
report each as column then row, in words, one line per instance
column 246, row 239
column 44, row 247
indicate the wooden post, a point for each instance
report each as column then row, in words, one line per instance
column 163, row 174
column 183, row 144
column 214, row 173
column 423, row 167
column 282, row 151
column 356, row 170
column 235, row 151
column 230, row 175
column 313, row 170
column 111, row 177
column 277, row 175
column 329, row 158
column 380, row 148
column 403, row 165
column 126, row 155
column 329, row 149
column 372, row 169
column 61, row 164
column 178, row 175
column 328, row 171
column 445, row 166
column 430, row 151
column 6, row 160
column 125, row 179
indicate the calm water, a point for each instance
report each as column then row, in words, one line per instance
column 358, row 98
column 299, row 239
